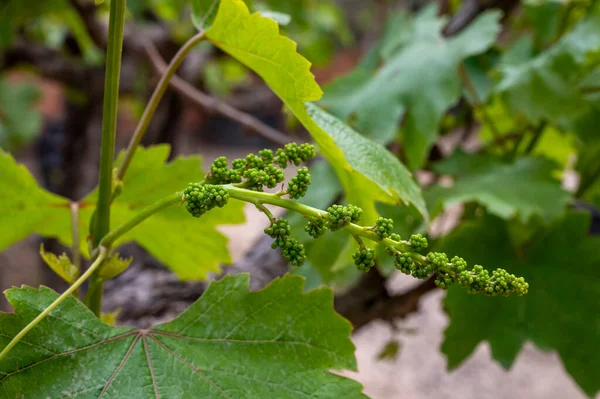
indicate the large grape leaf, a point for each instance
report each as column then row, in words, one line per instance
column 274, row 343
column 547, row 86
column 419, row 78
column 367, row 171
column 190, row 247
column 28, row 208
column 524, row 188
column 559, row 313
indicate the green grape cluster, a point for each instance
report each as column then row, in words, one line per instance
column 341, row 216
column 364, row 259
column 418, row 242
column 201, row 198
column 298, row 185
column 265, row 170
column 383, row 227
column 221, row 174
column 294, row 153
column 291, row 249
column 447, row 272
column 500, row 282
column 255, row 172
column 315, row 228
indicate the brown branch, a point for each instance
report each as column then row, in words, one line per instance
column 214, row 105
column 470, row 9
column 370, row 300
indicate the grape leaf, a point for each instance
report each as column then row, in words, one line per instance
column 367, row 171
column 546, row 87
column 526, row 187
column 559, row 313
column 419, row 78
column 190, row 247
column 19, row 120
column 28, row 208
column 274, row 343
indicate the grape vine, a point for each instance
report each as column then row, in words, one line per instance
column 246, row 179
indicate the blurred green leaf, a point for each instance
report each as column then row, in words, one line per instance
column 419, row 78
column 28, row 208
column 20, row 122
column 559, row 313
column 274, row 343
column 523, row 188
column 547, row 86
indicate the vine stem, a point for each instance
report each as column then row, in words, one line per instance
column 93, row 267
column 157, row 95
column 464, row 76
column 259, row 198
column 114, row 52
column 75, row 253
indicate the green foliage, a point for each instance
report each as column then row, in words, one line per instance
column 537, row 98
column 28, row 208
column 255, row 42
column 418, row 80
column 548, row 86
column 524, row 188
column 561, row 266
column 276, row 342
column 19, row 121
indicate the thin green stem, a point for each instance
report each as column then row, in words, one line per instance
column 587, row 181
column 517, row 145
column 159, row 91
column 114, row 51
column 75, row 253
column 164, row 203
column 58, row 301
column 255, row 197
column 479, row 105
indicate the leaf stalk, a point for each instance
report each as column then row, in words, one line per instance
column 93, row 267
